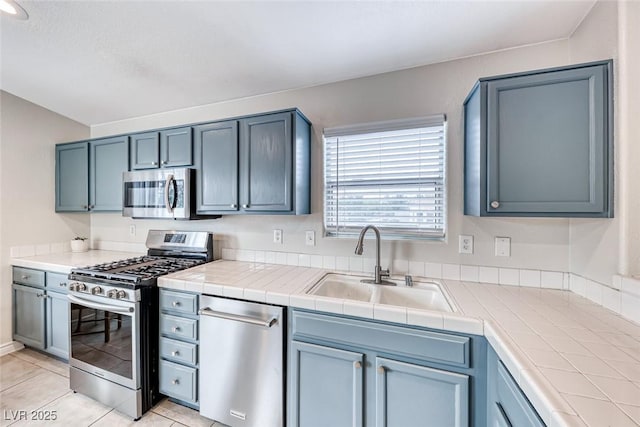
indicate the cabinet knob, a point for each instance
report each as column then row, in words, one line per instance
column 25, row 277
column 63, row 284
column 495, row 204
column 175, row 303
column 381, row 369
column 357, row 365
column 164, row 162
column 154, row 163
column 85, row 206
column 175, row 353
column 39, row 295
column 233, row 206
column 245, row 206
column 175, row 382
column 175, row 329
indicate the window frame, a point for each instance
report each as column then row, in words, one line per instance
column 433, row 121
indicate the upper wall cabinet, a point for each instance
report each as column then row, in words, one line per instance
column 167, row 148
column 89, row 175
column 258, row 164
column 541, row 143
column 72, row 177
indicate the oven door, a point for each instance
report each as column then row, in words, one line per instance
column 105, row 338
column 162, row 193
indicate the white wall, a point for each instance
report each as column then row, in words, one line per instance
column 27, row 161
column 439, row 88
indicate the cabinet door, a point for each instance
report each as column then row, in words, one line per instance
column 72, row 177
column 413, row 395
column 57, row 310
column 28, row 315
column 547, row 143
column 266, row 170
column 176, row 148
column 325, row 386
column 217, row 167
column 109, row 158
column 145, row 151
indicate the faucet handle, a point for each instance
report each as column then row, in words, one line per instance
column 408, row 280
column 384, row 272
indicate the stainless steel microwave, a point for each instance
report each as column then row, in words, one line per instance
column 159, row 193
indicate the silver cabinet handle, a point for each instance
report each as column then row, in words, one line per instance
column 245, row 206
column 175, row 329
column 239, row 318
column 175, row 303
column 175, row 353
column 495, row 204
column 233, row 206
column 63, row 284
column 357, row 364
column 25, row 277
column 175, row 382
column 154, row 163
column 164, row 162
column 39, row 295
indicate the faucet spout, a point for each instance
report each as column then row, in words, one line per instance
column 378, row 272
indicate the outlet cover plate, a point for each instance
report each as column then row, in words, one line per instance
column 465, row 244
column 310, row 238
column 503, row 246
column 277, row 236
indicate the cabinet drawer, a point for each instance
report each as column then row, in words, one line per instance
column 179, row 302
column 27, row 276
column 178, row 381
column 57, row 282
column 179, row 351
column 403, row 341
column 178, row 327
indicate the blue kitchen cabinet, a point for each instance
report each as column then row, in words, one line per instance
column 328, row 385
column 41, row 310
column 275, row 163
column 72, row 177
column 258, row 164
column 160, row 149
column 216, row 154
column 541, row 143
column 507, row 404
column 57, row 315
column 371, row 373
column 108, row 159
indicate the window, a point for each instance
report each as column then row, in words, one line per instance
column 390, row 174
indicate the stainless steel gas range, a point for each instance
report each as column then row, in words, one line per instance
column 114, row 320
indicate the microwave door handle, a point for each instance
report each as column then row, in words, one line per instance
column 174, row 186
column 167, row 184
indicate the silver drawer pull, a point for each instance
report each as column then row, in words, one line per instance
column 175, row 353
column 239, row 318
column 175, row 382
column 495, row 204
column 25, row 277
column 175, row 329
column 175, row 303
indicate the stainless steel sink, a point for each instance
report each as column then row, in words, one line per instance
column 425, row 295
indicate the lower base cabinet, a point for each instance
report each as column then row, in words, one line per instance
column 507, row 404
column 350, row 372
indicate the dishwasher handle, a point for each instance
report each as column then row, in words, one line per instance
column 239, row 318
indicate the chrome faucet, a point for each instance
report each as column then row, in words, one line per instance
column 379, row 273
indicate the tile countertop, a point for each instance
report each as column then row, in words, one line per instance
column 63, row 262
column 577, row 362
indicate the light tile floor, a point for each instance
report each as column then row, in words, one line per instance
column 30, row 380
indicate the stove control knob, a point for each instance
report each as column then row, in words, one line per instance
column 112, row 293
column 73, row 286
column 121, row 295
column 96, row 290
column 81, row 287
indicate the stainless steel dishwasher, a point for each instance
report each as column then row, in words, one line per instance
column 241, row 362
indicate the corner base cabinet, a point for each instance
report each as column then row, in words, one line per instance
column 541, row 143
column 507, row 404
column 351, row 372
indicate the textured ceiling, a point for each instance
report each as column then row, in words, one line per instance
column 102, row 61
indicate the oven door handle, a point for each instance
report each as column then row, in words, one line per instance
column 238, row 318
column 99, row 306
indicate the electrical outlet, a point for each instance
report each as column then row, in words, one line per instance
column 465, row 244
column 310, row 238
column 132, row 230
column 503, row 246
column 277, row 236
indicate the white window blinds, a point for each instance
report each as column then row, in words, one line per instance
column 389, row 174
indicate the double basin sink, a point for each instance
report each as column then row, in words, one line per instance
column 424, row 295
